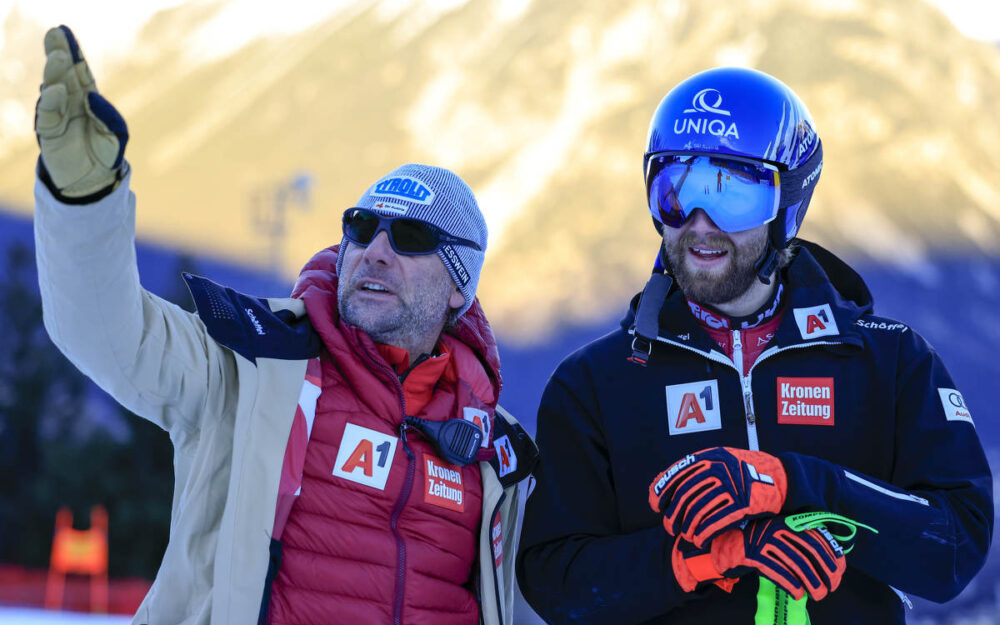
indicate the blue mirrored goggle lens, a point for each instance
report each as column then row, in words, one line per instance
column 737, row 195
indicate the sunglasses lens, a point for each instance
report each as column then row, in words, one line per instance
column 414, row 237
column 360, row 226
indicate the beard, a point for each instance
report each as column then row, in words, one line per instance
column 402, row 321
column 712, row 287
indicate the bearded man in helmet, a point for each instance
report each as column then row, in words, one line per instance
column 753, row 444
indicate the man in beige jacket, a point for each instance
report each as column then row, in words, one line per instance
column 326, row 445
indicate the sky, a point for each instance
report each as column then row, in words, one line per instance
column 110, row 30
column 29, row 616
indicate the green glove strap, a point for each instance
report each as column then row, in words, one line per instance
column 774, row 605
column 840, row 527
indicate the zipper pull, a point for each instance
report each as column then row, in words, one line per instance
column 402, row 435
column 748, row 400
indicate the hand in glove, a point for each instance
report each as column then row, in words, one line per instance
column 693, row 567
column 809, row 561
column 712, row 490
column 81, row 135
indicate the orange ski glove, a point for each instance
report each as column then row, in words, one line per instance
column 707, row 492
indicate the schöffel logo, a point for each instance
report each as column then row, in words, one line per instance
column 706, row 101
column 405, row 187
column 258, row 328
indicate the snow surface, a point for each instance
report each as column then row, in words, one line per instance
column 31, row 616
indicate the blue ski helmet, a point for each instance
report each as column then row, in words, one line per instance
column 755, row 123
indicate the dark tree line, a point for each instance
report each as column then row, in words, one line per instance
column 63, row 442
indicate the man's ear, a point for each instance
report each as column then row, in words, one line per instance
column 457, row 300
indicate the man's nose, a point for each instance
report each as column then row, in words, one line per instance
column 700, row 223
column 380, row 250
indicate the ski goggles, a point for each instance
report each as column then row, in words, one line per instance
column 409, row 237
column 736, row 193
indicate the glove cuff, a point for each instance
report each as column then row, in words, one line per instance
column 693, row 570
column 43, row 175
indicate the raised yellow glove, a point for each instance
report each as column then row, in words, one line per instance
column 81, row 135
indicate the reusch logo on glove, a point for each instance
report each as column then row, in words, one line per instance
column 672, row 471
column 834, row 544
column 758, row 476
column 693, row 407
column 805, row 401
column 405, row 187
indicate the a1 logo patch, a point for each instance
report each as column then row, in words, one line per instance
column 954, row 405
column 693, row 407
column 805, row 401
column 816, row 321
column 365, row 456
column 480, row 418
column 443, row 484
column 506, row 455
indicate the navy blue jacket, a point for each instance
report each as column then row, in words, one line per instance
column 901, row 455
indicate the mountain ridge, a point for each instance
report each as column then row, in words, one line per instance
column 543, row 108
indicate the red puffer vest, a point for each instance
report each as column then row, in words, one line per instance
column 383, row 530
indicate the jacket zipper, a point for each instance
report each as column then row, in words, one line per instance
column 745, row 380
column 404, row 494
column 397, row 610
column 746, row 385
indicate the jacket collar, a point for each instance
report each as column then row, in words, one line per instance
column 824, row 300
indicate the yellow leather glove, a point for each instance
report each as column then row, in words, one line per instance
column 81, row 135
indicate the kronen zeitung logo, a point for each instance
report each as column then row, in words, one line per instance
column 706, row 101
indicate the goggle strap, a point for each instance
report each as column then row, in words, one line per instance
column 796, row 183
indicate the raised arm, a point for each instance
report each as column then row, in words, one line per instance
column 152, row 356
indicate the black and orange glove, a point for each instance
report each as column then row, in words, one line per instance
column 693, row 568
column 707, row 492
column 810, row 561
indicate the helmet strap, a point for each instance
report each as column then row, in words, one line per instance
column 767, row 262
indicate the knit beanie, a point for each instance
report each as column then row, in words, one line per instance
column 437, row 196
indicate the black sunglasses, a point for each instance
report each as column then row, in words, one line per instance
column 409, row 237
